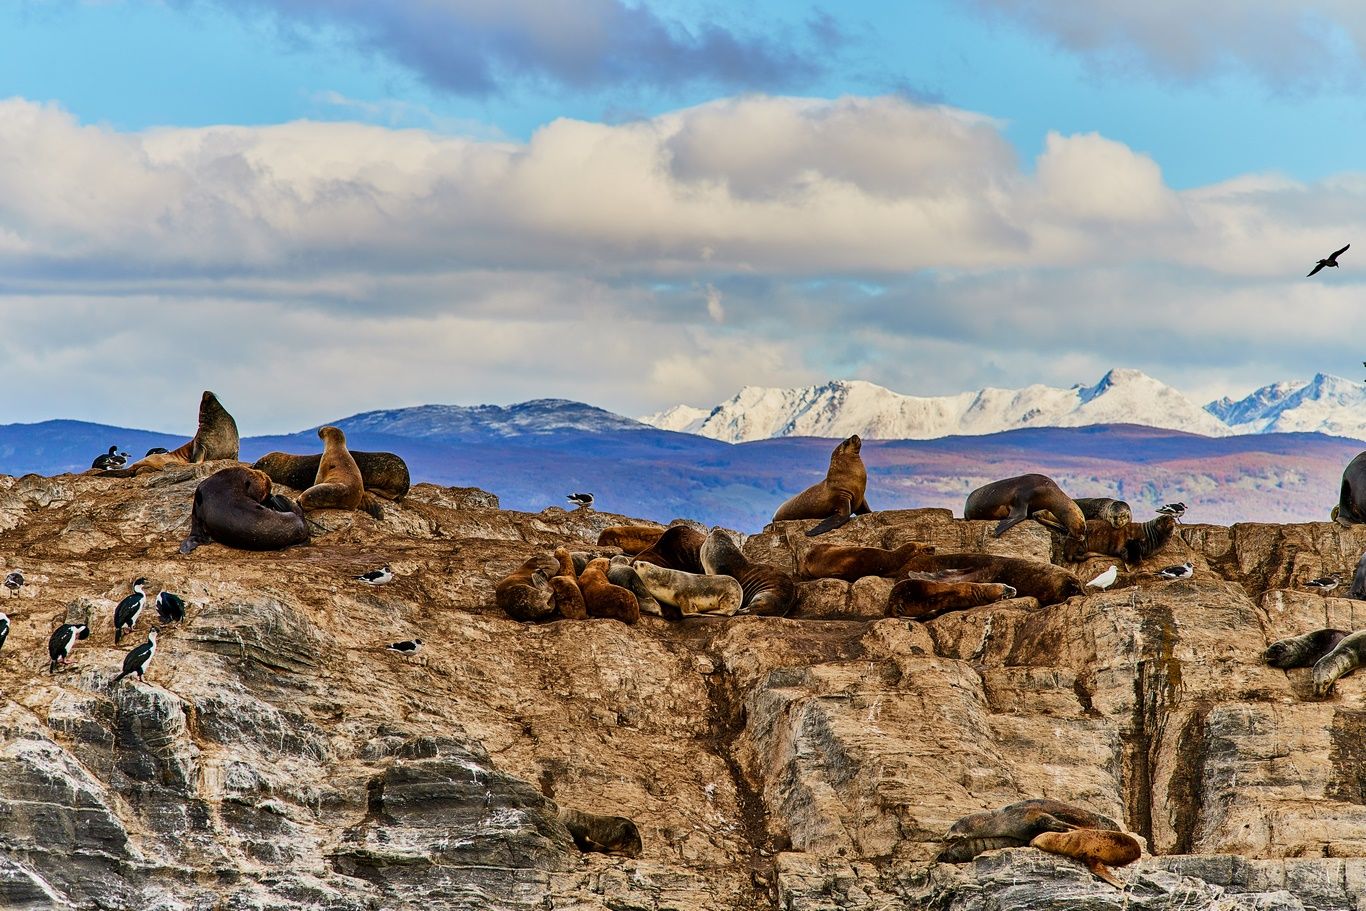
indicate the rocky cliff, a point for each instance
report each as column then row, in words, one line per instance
column 278, row 758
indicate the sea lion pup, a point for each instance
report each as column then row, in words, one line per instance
column 1013, row 500
column 602, row 598
column 767, row 590
column 525, row 593
column 339, row 484
column 1015, row 826
column 1133, row 543
column 1093, row 847
column 836, row 499
column 692, row 593
column 921, row 596
column 679, row 547
column 229, row 507
column 606, row 834
column 215, row 438
column 850, row 563
column 1045, row 582
column 565, row 588
column 631, row 539
column 383, row 473
column 621, row 572
column 1116, row 512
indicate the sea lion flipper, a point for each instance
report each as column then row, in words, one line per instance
column 1104, row 873
column 371, row 507
column 862, row 509
column 830, row 523
column 1007, row 524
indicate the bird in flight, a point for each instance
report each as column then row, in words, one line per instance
column 1330, row 261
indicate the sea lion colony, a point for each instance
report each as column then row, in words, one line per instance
column 682, row 571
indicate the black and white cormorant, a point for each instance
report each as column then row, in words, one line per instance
column 136, row 661
column 126, row 614
column 170, row 607
column 63, row 642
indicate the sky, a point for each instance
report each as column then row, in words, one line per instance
column 322, row 207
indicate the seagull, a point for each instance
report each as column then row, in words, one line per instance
column 155, row 450
column 1184, row 571
column 407, row 647
column 1324, row 583
column 382, row 576
column 14, row 581
column 1105, row 579
column 582, row 500
column 1330, row 261
column 1172, row 509
column 136, row 661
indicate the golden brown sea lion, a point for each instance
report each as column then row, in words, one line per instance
column 1116, row 512
column 384, row 473
column 235, row 507
column 525, row 594
column 1030, row 578
column 1013, row 500
column 339, row 484
column 1132, row 543
column 692, row 593
column 837, row 498
column 607, row 834
column 1015, row 826
column 621, row 572
column 840, row 561
column 1096, row 848
column 631, row 539
column 216, row 438
column 922, row 596
column 767, row 590
column 602, row 598
column 565, row 586
column 679, row 547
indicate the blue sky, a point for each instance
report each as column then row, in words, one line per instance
column 718, row 194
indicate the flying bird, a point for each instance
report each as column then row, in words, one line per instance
column 1331, row 261
column 1184, row 571
column 136, row 661
column 582, row 500
column 1324, row 583
column 382, row 576
column 407, row 647
column 1105, row 579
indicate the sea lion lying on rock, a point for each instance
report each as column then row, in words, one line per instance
column 1093, row 847
column 384, row 474
column 602, row 598
column 836, row 499
column 525, row 593
column 678, row 547
column 768, row 591
column 234, row 506
column 564, row 586
column 851, row 563
column 1116, row 512
column 922, row 596
column 1334, row 653
column 605, row 834
column 1029, row 496
column 621, row 572
column 216, row 438
column 630, row 539
column 1132, row 543
column 692, row 593
column 1015, row 826
column 1351, row 508
column 1045, row 582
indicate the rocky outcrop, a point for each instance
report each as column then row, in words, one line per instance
column 278, row 757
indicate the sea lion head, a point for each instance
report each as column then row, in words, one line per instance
column 330, row 434
column 851, row 446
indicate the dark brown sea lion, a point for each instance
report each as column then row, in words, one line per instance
column 631, row 539
column 525, row 594
column 339, row 484
column 837, row 498
column 602, row 598
column 384, row 474
column 1015, row 826
column 1351, row 508
column 1334, row 653
column 1096, row 848
column 679, row 547
column 216, row 438
column 606, row 834
column 230, row 508
column 1013, row 500
column 1132, row 543
column 1116, row 512
column 839, row 561
column 768, row 590
column 921, row 596
column 565, row 586
column 1030, row 578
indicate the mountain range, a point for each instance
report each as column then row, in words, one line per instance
column 1325, row 404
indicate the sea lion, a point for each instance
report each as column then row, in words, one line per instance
column 339, row 484
column 1015, row 826
column 606, row 834
column 922, row 596
column 768, row 591
column 525, row 593
column 1358, row 589
column 564, row 586
column 621, row 572
column 1045, row 582
column 850, row 563
column 1344, row 658
column 215, row 438
column 692, row 593
column 383, row 473
column 836, row 499
column 1351, row 508
column 679, row 547
column 1013, row 500
column 1116, row 512
column 1093, row 847
column 229, row 507
column 1302, row 651
column 602, row 598
column 631, row 539
column 1132, row 543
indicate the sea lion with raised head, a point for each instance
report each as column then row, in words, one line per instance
column 1116, row 512
column 1132, row 543
column 605, row 834
column 384, row 474
column 525, row 593
column 565, row 588
column 922, row 596
column 692, row 593
column 678, row 547
column 838, row 498
column 602, row 598
column 234, row 507
column 215, row 438
column 1015, row 826
column 1012, row 500
column 1098, row 849
column 1045, row 582
column 768, row 591
column 621, row 572
column 339, row 484
column 850, row 563
column 630, row 539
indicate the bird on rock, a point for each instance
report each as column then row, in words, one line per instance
column 407, row 647
column 1105, row 579
column 582, row 500
column 1325, row 583
column 1172, row 509
column 126, row 614
column 382, row 576
column 1184, row 571
column 170, row 607
column 14, row 581
column 63, row 642
column 4, row 628
column 136, row 661
column 110, row 459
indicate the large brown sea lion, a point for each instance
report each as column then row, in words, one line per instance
column 1015, row 826
column 1047, row 583
column 621, row 572
column 679, row 547
column 922, row 596
column 216, row 438
column 525, row 594
column 1116, row 512
column 768, row 591
column 1096, row 848
column 565, row 586
column 1132, row 543
column 339, row 484
column 692, row 593
column 602, row 598
column 837, row 498
column 235, row 507
column 1013, row 500
column 850, row 563
column 607, row 834
column 1351, row 508
column 632, row 539
column 384, row 473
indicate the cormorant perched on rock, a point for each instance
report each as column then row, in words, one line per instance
column 136, row 661
column 126, row 614
column 63, row 641
column 170, row 607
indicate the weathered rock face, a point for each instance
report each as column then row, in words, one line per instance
column 277, row 757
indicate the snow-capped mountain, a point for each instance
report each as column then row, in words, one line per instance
column 844, row 407
column 1326, row 404
column 454, row 421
